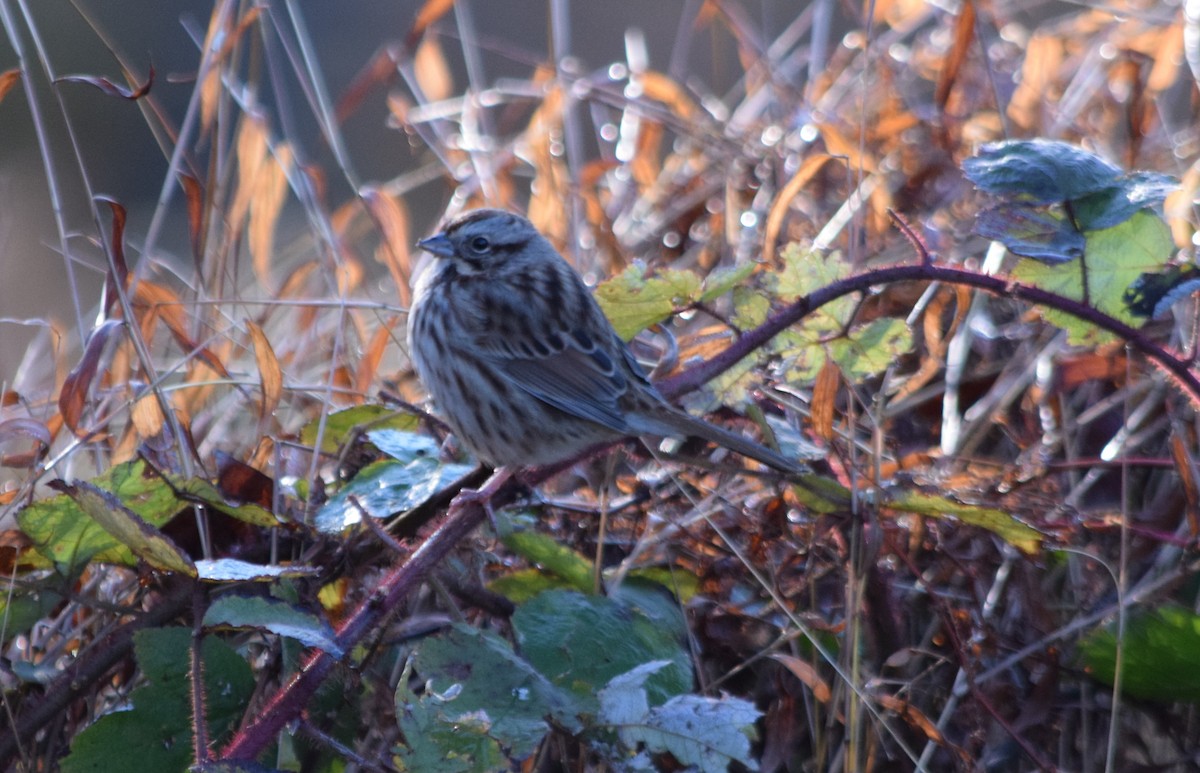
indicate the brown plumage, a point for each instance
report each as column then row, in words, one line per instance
column 519, row 358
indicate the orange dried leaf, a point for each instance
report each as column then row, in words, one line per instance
column 398, row 108
column 294, row 286
column 1185, row 465
column 147, row 415
column 219, row 29
column 547, row 204
column 662, row 88
column 391, row 217
column 193, row 192
column 270, row 376
column 647, row 163
column 119, row 276
column 936, row 338
column 429, row 13
column 368, row 366
column 1167, row 53
column 806, row 674
column 152, row 302
column 964, row 36
column 1044, row 56
column 913, row 716
column 431, row 70
column 251, row 150
column 901, row 14
column 1106, row 364
column 824, row 400
column 380, row 70
column 343, row 386
column 210, row 83
column 8, row 79
column 269, row 190
column 893, row 124
column 782, row 203
column 13, row 542
column 840, row 145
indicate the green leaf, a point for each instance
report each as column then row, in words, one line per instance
column 681, row 585
column 402, row 445
column 474, row 678
column 341, row 426
column 434, row 742
column 806, row 347
column 1113, row 206
column 523, row 584
column 822, row 494
column 720, row 282
column 1045, row 236
column 806, row 270
column 388, row 487
column 581, row 642
column 204, row 491
column 279, row 617
column 633, row 303
column 64, row 534
column 572, row 569
column 1020, row 535
column 731, row 387
column 21, row 608
column 750, row 307
column 872, row 348
column 128, row 528
column 861, row 352
column 1039, row 171
column 1161, row 660
column 156, row 733
column 702, row 733
column 1116, row 258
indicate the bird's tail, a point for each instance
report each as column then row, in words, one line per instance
column 670, row 422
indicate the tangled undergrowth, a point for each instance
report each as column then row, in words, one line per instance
column 227, row 538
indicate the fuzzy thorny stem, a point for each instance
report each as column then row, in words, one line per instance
column 693, row 377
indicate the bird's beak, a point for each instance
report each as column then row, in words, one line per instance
column 438, row 244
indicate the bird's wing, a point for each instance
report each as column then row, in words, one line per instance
column 543, row 332
column 573, row 373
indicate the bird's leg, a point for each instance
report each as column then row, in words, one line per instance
column 482, row 496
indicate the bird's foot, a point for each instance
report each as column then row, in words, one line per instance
column 482, row 496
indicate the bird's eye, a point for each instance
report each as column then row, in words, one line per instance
column 481, row 244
